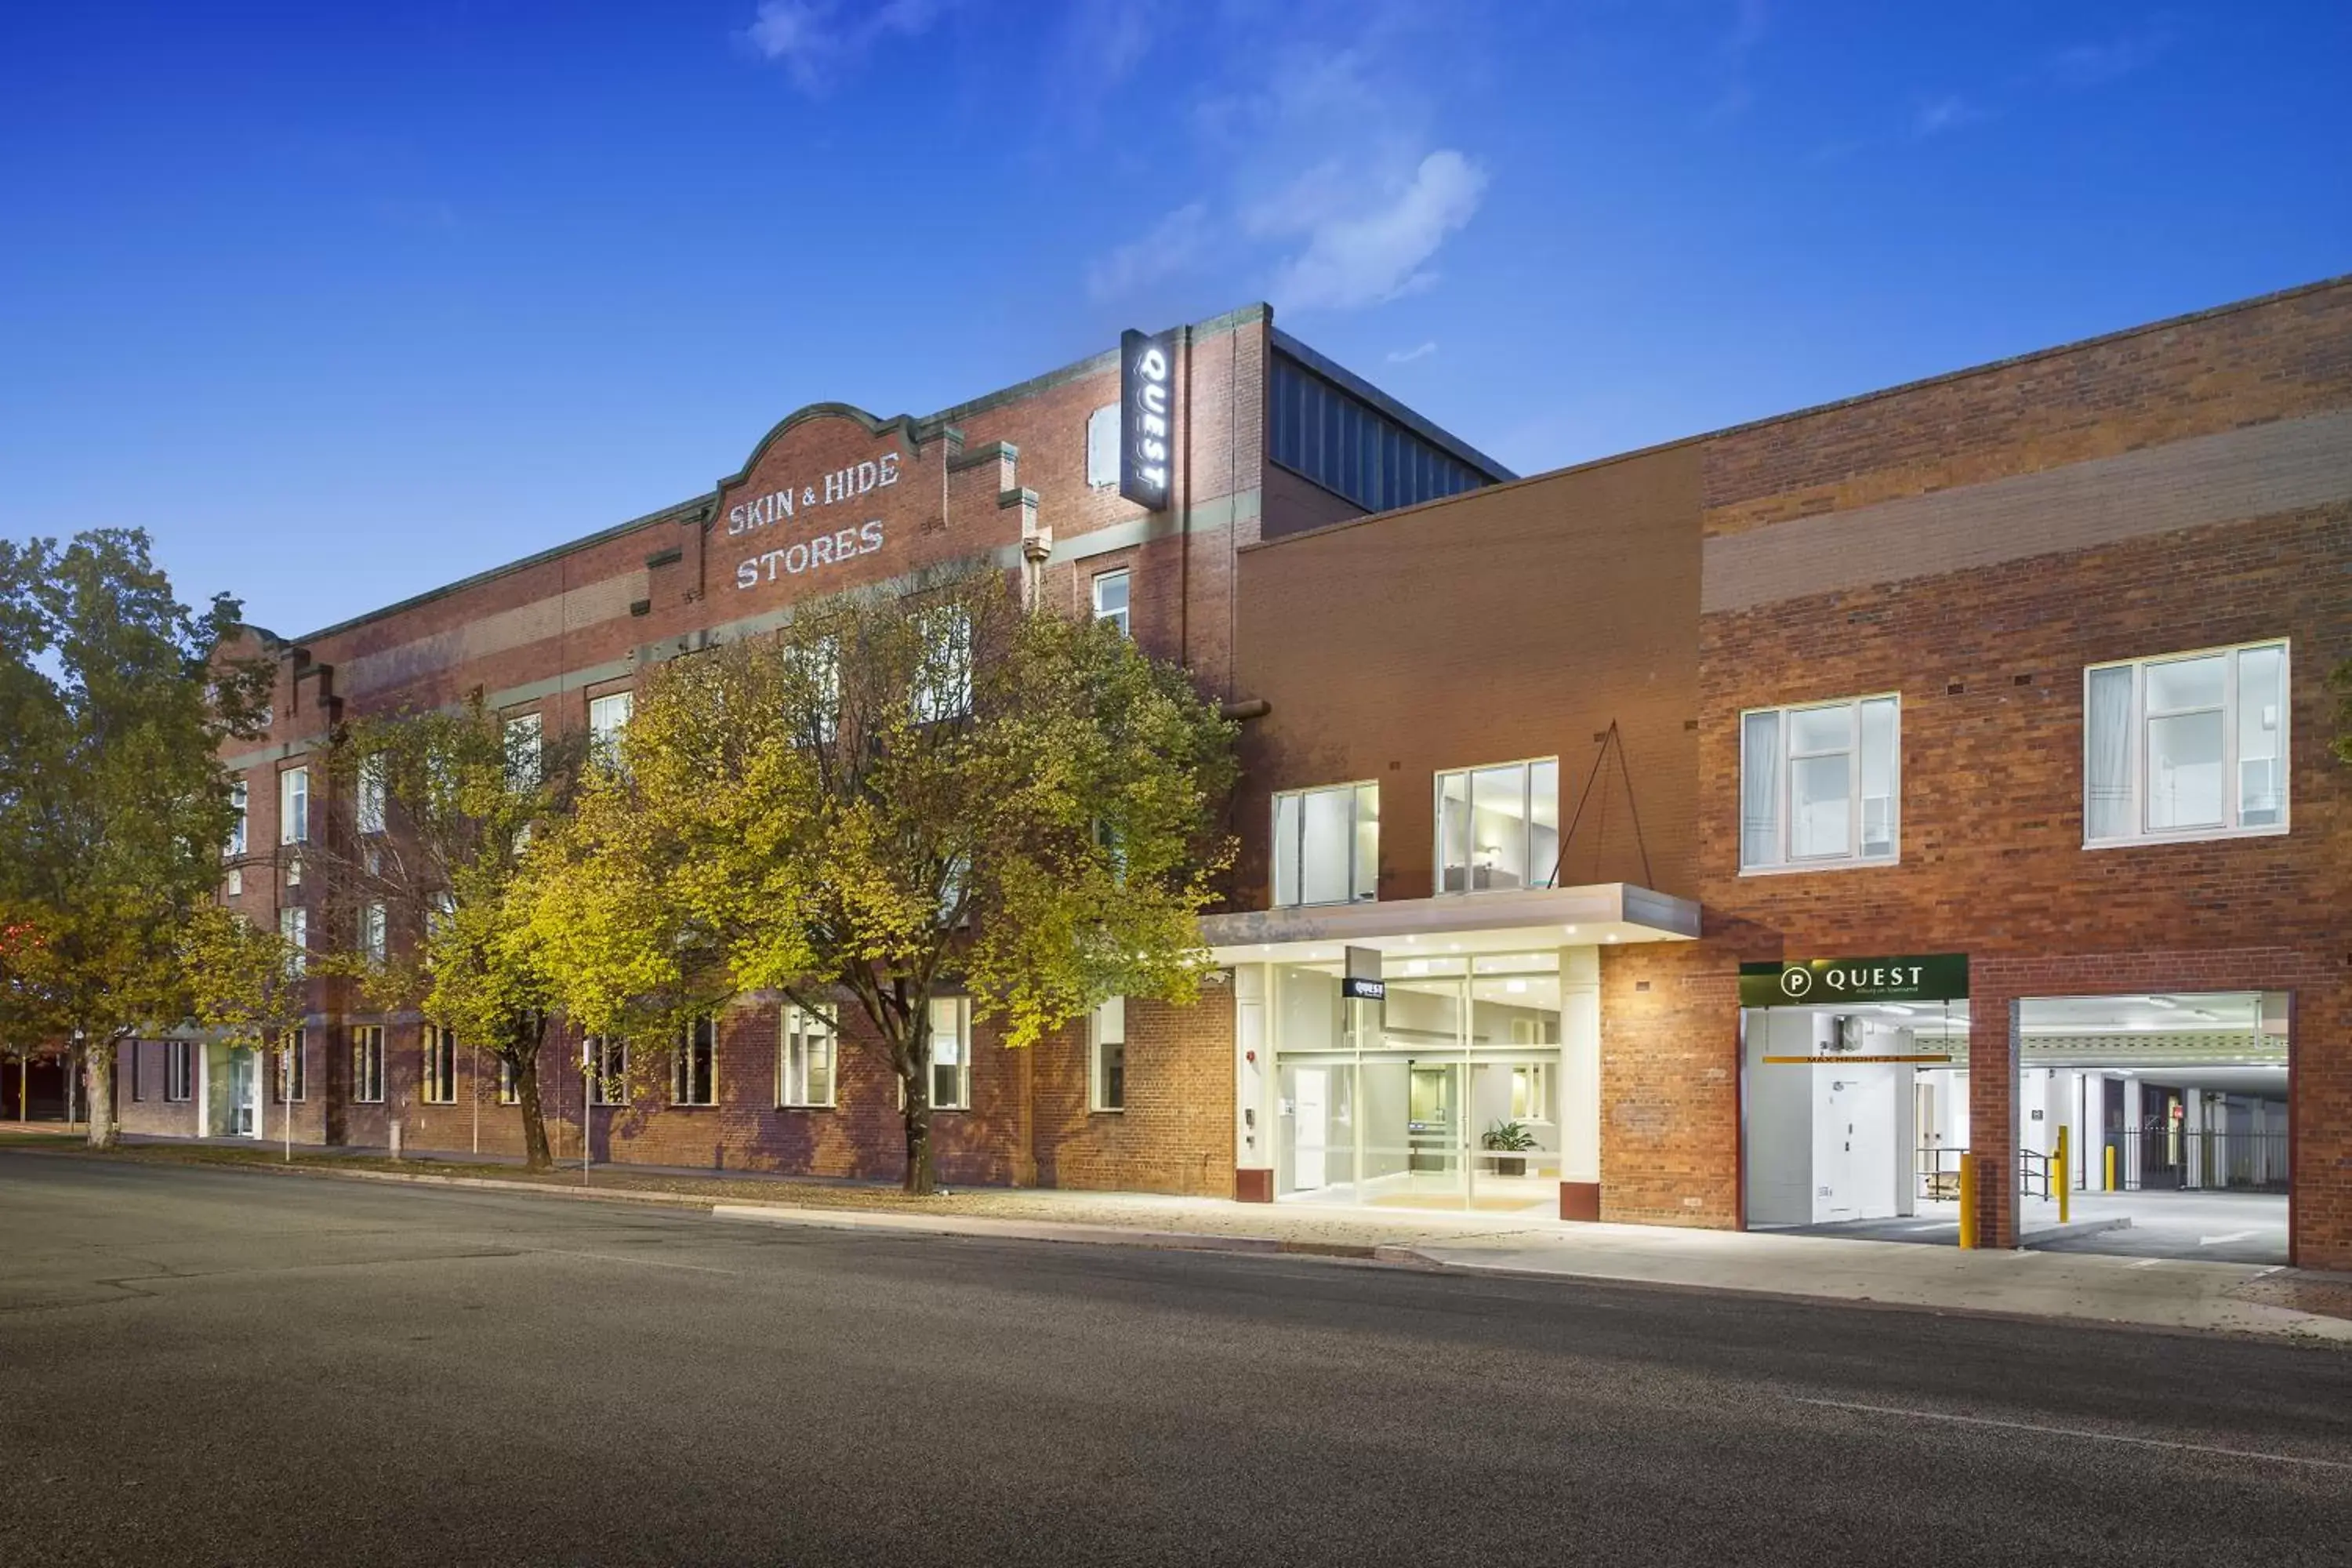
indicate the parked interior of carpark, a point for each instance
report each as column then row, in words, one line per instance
column 2174, row 1108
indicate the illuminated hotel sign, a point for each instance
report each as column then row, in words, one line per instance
column 1146, row 390
column 834, row 547
column 1825, row 981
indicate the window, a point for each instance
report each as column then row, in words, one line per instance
column 294, row 928
column 440, row 1066
column 1110, row 599
column 178, row 1079
column 372, row 932
column 522, row 736
column 1818, row 785
column 1530, row 1092
column 1327, row 846
column 1344, row 444
column 607, row 716
column 293, row 1074
column 944, row 684
column 950, row 1053
column 294, row 806
column 1106, row 1070
column 368, row 809
column 607, row 1062
column 1102, row 447
column 2189, row 746
column 694, row 1076
column 130, row 1060
column 367, row 1064
column 235, row 882
column 236, row 800
column 509, row 1083
column 1498, row 827
column 806, row 1056
column 813, row 688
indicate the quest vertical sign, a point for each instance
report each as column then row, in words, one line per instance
column 1147, row 395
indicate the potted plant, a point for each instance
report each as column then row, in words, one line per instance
column 1508, row 1138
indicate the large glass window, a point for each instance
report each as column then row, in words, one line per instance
column 1102, row 447
column 2188, row 746
column 1110, row 597
column 294, row 806
column 524, row 751
column 806, row 1057
column 694, row 1070
column 1498, row 827
column 1326, row 845
column 608, row 717
column 950, row 1053
column 1820, row 784
column 178, row 1073
column 440, row 1083
column 607, row 1063
column 1346, row 445
column 367, row 1064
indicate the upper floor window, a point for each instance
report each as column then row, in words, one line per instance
column 1326, row 845
column 1498, row 827
column 813, row 687
column 804, row 1057
column 294, row 930
column 607, row 715
column 368, row 808
column 2189, row 746
column 1111, row 598
column 236, row 801
column 1819, row 784
column 1102, row 446
column 522, row 735
column 373, row 925
column 1346, row 445
column 294, row 806
column 943, row 683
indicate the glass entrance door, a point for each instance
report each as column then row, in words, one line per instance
column 243, row 1079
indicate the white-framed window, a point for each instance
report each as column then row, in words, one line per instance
column 367, row 1064
column 806, row 1057
column 607, row 1062
column 509, row 1083
column 294, row 806
column 523, row 735
column 1107, row 1057
column 1530, row 1092
column 367, row 807
column 294, row 928
column 2190, row 745
column 1102, row 447
column 607, row 716
column 440, row 1083
column 1326, row 845
column 1498, row 827
column 1111, row 599
column 1821, row 783
column 235, row 881
column 950, row 1053
column 944, row 684
column 238, row 797
column 694, row 1072
column 293, row 1070
column 179, row 1078
column 373, row 925
column 815, row 678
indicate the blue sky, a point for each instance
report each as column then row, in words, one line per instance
column 343, row 302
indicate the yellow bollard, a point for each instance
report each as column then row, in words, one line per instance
column 1967, row 1202
column 2058, row 1176
column 2111, row 1168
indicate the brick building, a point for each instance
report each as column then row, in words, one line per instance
column 1758, row 829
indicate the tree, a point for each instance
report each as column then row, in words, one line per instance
column 247, row 985
column 423, row 884
column 892, row 796
column 114, row 805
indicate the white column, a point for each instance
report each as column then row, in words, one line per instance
column 1253, row 1069
column 2086, row 1150
column 1579, row 1064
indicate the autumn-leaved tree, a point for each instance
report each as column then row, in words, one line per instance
column 114, row 701
column 894, row 798
column 418, row 884
column 248, row 987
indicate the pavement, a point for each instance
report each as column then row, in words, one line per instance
column 202, row 1366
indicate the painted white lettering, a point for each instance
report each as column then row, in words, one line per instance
column 890, row 468
column 748, row 574
column 820, row 549
column 797, row 559
column 869, row 538
column 773, row 558
column 833, row 487
column 869, row 474
column 845, row 545
column 783, row 499
column 735, row 519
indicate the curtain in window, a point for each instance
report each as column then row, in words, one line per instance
column 2106, row 755
column 1759, row 791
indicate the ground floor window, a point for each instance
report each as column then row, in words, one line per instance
column 509, row 1083
column 1106, row 1072
column 292, row 1078
column 950, row 1053
column 608, row 1071
column 806, row 1056
column 694, row 1079
column 177, row 1075
column 440, row 1066
column 137, row 1090
column 367, row 1064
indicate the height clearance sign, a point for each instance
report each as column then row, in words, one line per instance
column 1821, row 982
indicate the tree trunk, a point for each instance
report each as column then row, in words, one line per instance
column 98, row 1088
column 920, row 1181
column 535, row 1153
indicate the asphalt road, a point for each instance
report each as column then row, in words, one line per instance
column 216, row 1367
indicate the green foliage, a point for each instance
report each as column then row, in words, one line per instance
column 891, row 797
column 1507, row 1137
column 115, row 699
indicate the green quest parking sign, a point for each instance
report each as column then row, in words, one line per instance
column 1916, row 977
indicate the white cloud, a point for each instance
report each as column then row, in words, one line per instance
column 1174, row 245
column 2093, row 65
column 1379, row 250
column 1948, row 112
column 814, row 40
column 1406, row 356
